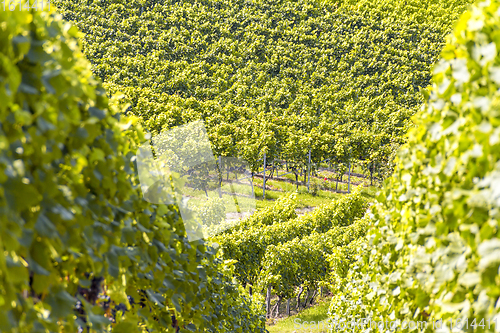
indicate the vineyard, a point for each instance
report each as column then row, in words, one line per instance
column 280, row 77
column 314, row 106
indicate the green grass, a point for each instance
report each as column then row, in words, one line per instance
column 304, row 199
column 370, row 192
column 315, row 313
column 282, row 188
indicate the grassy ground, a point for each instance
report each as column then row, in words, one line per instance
column 320, row 193
column 325, row 192
column 316, row 313
column 276, row 189
column 324, row 187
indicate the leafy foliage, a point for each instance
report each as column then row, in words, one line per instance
column 212, row 211
column 249, row 246
column 306, row 260
column 433, row 253
column 282, row 210
column 73, row 224
column 340, row 78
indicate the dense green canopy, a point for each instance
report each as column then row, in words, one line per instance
column 74, row 227
column 282, row 76
column 434, row 253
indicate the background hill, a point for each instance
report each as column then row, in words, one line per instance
column 281, row 77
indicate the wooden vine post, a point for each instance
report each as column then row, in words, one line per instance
column 309, row 171
column 349, row 181
column 268, row 301
column 251, row 184
column 264, row 187
column 220, row 176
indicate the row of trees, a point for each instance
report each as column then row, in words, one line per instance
column 434, row 252
column 254, row 247
column 286, row 77
column 80, row 249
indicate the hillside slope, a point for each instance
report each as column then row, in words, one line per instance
column 433, row 255
column 282, row 77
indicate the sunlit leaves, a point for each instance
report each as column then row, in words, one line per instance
column 268, row 77
column 437, row 220
column 73, row 221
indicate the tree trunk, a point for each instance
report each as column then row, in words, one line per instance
column 298, row 297
column 250, row 291
column 278, row 306
column 273, row 310
column 288, row 307
column 307, row 297
column 315, row 292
